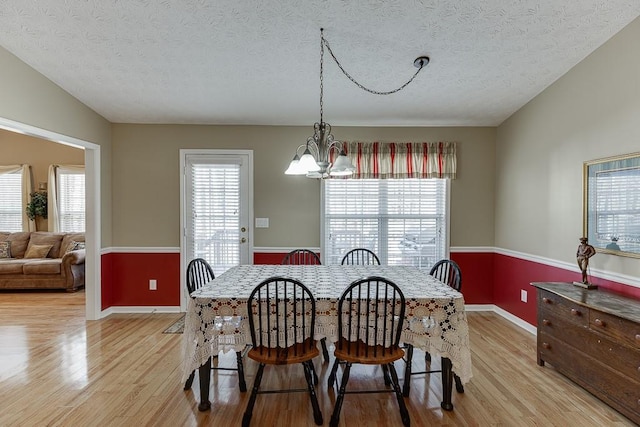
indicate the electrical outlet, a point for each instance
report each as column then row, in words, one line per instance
column 153, row 284
column 523, row 295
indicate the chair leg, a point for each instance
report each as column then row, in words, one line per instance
column 189, row 382
column 317, row 414
column 404, row 414
column 407, row 371
column 385, row 372
column 427, row 357
column 241, row 382
column 246, row 418
column 313, row 372
column 332, row 375
column 335, row 417
column 325, row 352
column 459, row 386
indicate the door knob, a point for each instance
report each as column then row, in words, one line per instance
column 243, row 229
column 243, row 240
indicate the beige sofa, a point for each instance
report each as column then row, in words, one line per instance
column 32, row 266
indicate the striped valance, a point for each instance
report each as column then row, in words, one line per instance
column 382, row 160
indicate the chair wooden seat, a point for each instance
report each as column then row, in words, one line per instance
column 359, row 352
column 296, row 353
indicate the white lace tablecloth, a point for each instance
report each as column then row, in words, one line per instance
column 435, row 318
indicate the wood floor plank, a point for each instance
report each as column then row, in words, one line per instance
column 58, row 369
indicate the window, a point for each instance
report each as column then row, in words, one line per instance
column 404, row 221
column 11, row 197
column 71, row 207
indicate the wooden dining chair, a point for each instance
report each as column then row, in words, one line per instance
column 370, row 318
column 307, row 257
column 360, row 256
column 301, row 257
column 282, row 315
column 199, row 273
column 448, row 272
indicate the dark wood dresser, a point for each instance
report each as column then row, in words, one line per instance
column 593, row 338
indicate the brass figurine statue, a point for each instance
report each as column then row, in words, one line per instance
column 585, row 251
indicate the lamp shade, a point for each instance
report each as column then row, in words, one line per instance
column 342, row 166
column 294, row 167
column 308, row 162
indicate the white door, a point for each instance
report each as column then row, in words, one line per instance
column 217, row 208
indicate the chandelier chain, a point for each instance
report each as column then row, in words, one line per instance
column 324, row 42
column 321, row 78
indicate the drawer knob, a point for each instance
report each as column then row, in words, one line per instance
column 638, row 337
column 546, row 322
column 546, row 345
column 575, row 312
column 599, row 322
column 546, row 300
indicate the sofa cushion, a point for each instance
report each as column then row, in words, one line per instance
column 19, row 242
column 67, row 241
column 38, row 251
column 42, row 266
column 42, row 238
column 11, row 266
column 5, row 250
column 74, row 246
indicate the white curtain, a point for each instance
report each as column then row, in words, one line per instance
column 52, row 195
column 25, row 170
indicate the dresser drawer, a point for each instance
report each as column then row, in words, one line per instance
column 616, row 389
column 551, row 323
column 615, row 327
column 615, row 354
column 562, row 308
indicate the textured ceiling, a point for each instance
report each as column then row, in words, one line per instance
column 257, row 62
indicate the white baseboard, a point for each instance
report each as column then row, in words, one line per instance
column 140, row 309
column 503, row 313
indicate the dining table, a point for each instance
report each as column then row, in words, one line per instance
column 435, row 318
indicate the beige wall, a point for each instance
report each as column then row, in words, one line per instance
column 146, row 194
column 591, row 112
column 31, row 99
column 16, row 148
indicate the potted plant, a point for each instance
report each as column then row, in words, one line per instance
column 38, row 205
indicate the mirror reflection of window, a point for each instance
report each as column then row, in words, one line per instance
column 612, row 208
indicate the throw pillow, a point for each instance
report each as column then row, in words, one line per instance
column 74, row 246
column 38, row 251
column 5, row 249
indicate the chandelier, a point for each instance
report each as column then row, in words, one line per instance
column 315, row 161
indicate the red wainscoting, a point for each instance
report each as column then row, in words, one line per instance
column 477, row 276
column 106, row 266
column 488, row 278
column 129, row 279
column 514, row 274
column 268, row 257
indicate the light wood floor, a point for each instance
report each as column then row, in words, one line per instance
column 56, row 369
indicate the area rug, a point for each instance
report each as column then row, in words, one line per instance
column 176, row 328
